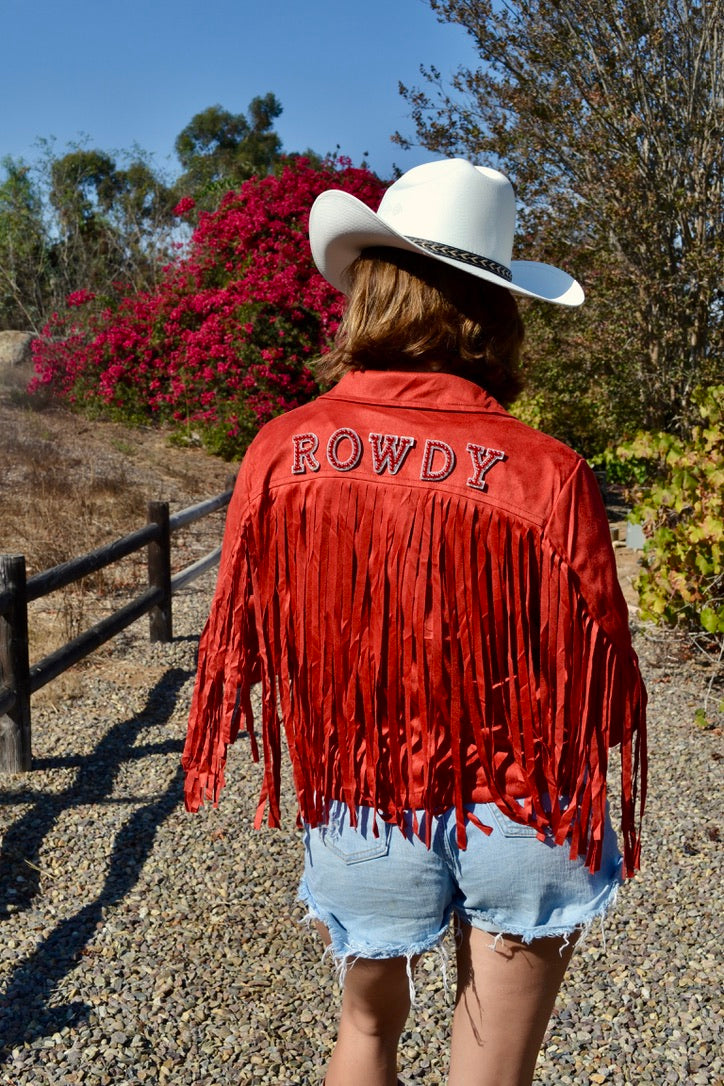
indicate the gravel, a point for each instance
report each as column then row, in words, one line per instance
column 140, row 944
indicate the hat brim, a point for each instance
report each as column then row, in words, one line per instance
column 341, row 227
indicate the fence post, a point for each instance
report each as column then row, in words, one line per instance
column 159, row 573
column 15, row 745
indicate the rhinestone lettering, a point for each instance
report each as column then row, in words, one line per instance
column 305, row 446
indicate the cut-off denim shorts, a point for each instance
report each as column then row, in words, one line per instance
column 390, row 896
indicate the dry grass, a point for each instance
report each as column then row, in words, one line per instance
column 69, row 485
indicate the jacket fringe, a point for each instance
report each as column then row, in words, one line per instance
column 498, row 655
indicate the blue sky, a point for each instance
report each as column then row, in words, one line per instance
column 137, row 71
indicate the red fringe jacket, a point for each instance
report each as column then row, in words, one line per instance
column 426, row 590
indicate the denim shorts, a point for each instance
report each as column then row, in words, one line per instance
column 390, row 896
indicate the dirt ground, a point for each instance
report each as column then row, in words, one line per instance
column 50, row 454
column 69, row 485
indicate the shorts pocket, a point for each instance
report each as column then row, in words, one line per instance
column 355, row 848
column 508, row 827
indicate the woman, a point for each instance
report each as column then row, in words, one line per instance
column 426, row 590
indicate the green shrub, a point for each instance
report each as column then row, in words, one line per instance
column 629, row 471
column 681, row 509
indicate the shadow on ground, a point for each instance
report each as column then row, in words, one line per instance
column 25, row 1013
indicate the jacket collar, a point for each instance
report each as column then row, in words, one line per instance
column 428, row 390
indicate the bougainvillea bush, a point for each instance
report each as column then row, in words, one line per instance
column 225, row 343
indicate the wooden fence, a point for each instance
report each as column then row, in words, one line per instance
column 18, row 679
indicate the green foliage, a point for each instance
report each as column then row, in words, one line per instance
column 607, row 117
column 219, row 150
column 629, row 471
column 227, row 437
column 529, row 408
column 24, row 267
column 81, row 182
column 568, row 392
column 703, row 720
column 112, row 221
column 682, row 512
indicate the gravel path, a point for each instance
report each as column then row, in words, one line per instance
column 140, row 944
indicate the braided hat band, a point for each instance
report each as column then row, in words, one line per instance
column 464, row 256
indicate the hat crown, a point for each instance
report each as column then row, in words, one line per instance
column 449, row 210
column 454, row 203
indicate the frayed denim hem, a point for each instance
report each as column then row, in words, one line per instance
column 528, row 935
column 345, row 952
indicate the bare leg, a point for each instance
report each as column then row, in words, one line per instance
column 505, row 998
column 375, row 1005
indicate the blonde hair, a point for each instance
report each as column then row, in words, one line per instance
column 406, row 311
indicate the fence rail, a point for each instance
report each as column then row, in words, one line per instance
column 50, row 580
column 18, row 679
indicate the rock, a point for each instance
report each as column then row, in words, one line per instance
column 15, row 349
column 16, row 359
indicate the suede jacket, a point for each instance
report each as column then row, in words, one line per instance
column 426, row 590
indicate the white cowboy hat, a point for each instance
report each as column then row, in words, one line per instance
column 449, row 210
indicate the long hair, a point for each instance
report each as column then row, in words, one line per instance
column 406, row 311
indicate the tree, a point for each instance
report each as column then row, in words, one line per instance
column 80, row 223
column 218, row 150
column 23, row 254
column 607, row 115
column 143, row 216
column 111, row 222
column 226, row 340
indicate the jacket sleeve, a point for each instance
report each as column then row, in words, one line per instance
column 578, row 531
column 228, row 663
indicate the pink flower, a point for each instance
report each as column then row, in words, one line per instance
column 185, row 204
column 78, row 298
column 228, row 330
